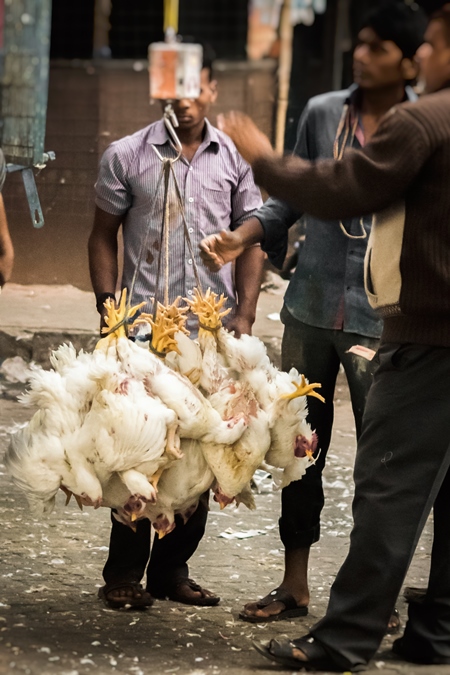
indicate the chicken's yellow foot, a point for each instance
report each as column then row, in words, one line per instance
column 175, row 314
column 165, row 324
column 304, row 389
column 117, row 318
column 154, row 480
column 208, row 309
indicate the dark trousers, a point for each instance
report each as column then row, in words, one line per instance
column 129, row 551
column 318, row 353
column 401, row 471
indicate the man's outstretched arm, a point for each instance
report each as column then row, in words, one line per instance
column 248, row 277
column 365, row 181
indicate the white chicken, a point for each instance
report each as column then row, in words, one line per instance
column 179, row 490
column 126, row 432
column 96, row 420
column 234, row 465
column 36, row 462
column 187, row 360
column 283, row 396
column 63, row 402
column 209, row 310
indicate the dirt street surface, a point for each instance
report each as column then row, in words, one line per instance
column 51, row 622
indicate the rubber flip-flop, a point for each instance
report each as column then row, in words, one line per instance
column 291, row 611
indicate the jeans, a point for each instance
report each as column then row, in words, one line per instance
column 318, row 353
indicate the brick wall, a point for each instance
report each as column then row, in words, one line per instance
column 89, row 106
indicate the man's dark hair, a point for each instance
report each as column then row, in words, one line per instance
column 401, row 22
column 209, row 54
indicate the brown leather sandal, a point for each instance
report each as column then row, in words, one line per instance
column 139, row 599
column 282, row 651
column 174, row 591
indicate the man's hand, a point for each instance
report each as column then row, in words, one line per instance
column 219, row 249
column 251, row 143
column 241, row 325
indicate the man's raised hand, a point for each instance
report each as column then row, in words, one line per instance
column 249, row 140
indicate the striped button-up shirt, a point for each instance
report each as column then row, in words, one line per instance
column 218, row 192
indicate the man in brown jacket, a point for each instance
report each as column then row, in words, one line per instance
column 403, row 458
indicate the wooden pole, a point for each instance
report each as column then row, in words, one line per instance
column 342, row 41
column 284, row 73
column 102, row 12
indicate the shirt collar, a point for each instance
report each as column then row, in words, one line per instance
column 158, row 135
column 354, row 94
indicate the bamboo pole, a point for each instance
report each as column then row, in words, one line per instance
column 284, row 73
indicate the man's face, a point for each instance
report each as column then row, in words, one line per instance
column 434, row 57
column 377, row 63
column 192, row 112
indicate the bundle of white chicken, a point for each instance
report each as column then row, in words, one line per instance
column 146, row 430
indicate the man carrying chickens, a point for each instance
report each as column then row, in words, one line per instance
column 218, row 192
column 326, row 310
column 402, row 467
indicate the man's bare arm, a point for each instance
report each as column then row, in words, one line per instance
column 6, row 247
column 103, row 264
column 248, row 277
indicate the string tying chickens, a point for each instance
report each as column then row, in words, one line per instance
column 166, row 176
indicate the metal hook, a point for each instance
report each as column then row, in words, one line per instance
column 170, row 121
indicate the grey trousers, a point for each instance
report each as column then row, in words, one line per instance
column 401, row 471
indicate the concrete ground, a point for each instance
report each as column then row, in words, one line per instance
column 51, row 622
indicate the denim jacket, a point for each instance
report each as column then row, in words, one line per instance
column 327, row 287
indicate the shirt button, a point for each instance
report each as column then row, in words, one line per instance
column 190, row 261
column 348, row 288
column 189, row 292
column 190, row 230
column 190, row 168
column 191, row 199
